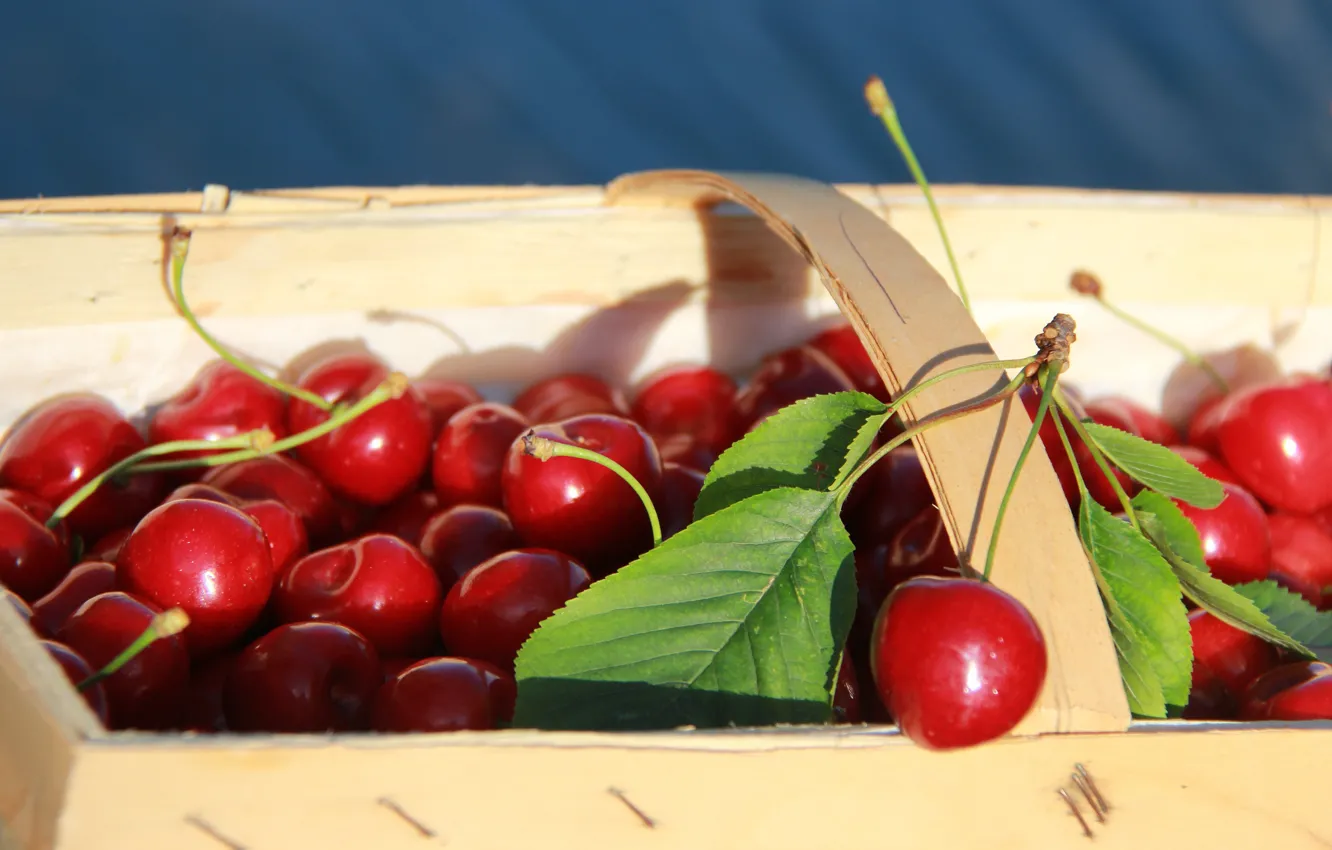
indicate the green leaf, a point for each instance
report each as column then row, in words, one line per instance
column 1141, row 684
column 737, row 619
column 1177, row 540
column 1290, row 612
column 1145, row 593
column 811, row 444
column 1156, row 466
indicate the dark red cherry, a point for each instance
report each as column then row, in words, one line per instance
column 376, row 457
column 786, row 377
column 1302, row 557
column 577, row 506
column 1235, row 538
column 457, row 539
column 288, row 481
column 77, row 670
column 61, row 444
column 209, row 559
column 435, row 695
column 205, row 709
column 843, row 347
column 219, row 402
column 685, row 450
column 570, row 394
column 696, row 403
column 33, row 558
column 16, row 602
column 149, row 691
column 493, row 610
column 378, row 585
column 1098, row 485
column 1300, row 690
column 106, row 547
column 1229, row 655
column 890, row 493
column 680, row 487
column 303, row 677
column 86, row 580
column 406, row 518
column 443, row 398
column 283, row 529
column 469, row 454
column 958, row 662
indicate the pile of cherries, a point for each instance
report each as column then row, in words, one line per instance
column 383, row 576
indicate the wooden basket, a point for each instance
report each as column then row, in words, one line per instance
column 634, row 269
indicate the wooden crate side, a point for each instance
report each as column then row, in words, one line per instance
column 1210, row 790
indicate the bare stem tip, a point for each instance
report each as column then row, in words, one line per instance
column 538, row 447
column 876, row 94
column 1085, row 283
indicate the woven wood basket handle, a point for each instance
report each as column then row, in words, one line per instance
column 914, row 326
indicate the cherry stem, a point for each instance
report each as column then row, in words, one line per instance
column 1048, row 375
column 1097, row 455
column 882, row 105
column 1068, row 450
column 392, row 387
column 170, row 622
column 180, row 249
column 543, row 449
column 1085, row 283
column 1018, row 363
column 129, row 465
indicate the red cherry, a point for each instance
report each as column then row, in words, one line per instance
column 685, row 450
column 567, row 395
column 1145, row 423
column 378, row 585
column 680, row 486
column 503, row 691
column 33, row 558
column 1203, row 424
column 1301, row 557
column 1301, row 690
column 580, row 507
column 1236, row 543
column 281, row 478
column 106, row 547
column 16, row 602
column 463, row 536
column 220, row 402
column 843, row 347
column 149, row 691
column 376, row 457
column 88, row 579
column 786, row 377
column 919, row 548
column 1232, row 656
column 957, row 661
column 406, row 517
column 443, row 398
column 303, row 677
column 435, row 695
column 207, row 492
column 496, row 607
column 76, row 669
column 469, row 454
column 846, row 694
column 393, row 666
column 283, row 529
column 1206, row 463
column 891, row 492
column 204, row 709
column 1275, row 437
column 693, row 402
column 61, row 444
column 206, row 558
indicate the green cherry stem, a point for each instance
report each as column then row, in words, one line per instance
column 1017, row 363
column 543, row 449
column 1097, row 455
column 170, row 622
column 131, row 464
column 1048, row 376
column 180, row 249
column 1072, row 458
column 882, row 106
column 392, row 387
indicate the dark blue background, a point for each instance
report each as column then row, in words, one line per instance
column 162, row 95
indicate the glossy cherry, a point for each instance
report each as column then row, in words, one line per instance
column 1275, row 437
column 219, row 402
column 406, row 518
column 493, row 610
column 303, row 677
column 569, row 394
column 283, row 528
column 1302, row 557
column 958, row 662
column 33, row 558
column 693, row 404
column 106, row 547
column 457, row 539
column 209, row 559
column 470, row 452
column 77, row 670
column 59, row 445
column 379, row 455
column 288, row 481
column 577, row 506
column 436, row 695
column 1300, row 690
column 444, row 397
column 1236, row 542
column 378, row 585
column 149, row 691
column 785, row 377
column 1226, row 660
column 843, row 346
column 680, row 488
column 86, row 580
